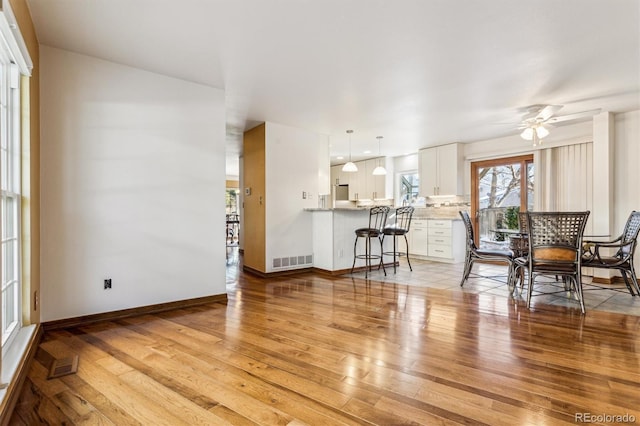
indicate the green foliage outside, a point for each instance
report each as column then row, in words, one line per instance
column 508, row 221
column 511, row 218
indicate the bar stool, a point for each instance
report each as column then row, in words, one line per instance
column 399, row 228
column 377, row 220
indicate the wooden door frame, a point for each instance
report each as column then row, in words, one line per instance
column 475, row 197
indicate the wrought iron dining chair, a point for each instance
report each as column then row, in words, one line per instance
column 400, row 228
column 474, row 253
column 519, row 244
column 595, row 255
column 555, row 248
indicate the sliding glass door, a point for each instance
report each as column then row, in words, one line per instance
column 500, row 189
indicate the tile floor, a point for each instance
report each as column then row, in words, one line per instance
column 491, row 279
column 488, row 279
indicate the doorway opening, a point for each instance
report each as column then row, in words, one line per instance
column 232, row 228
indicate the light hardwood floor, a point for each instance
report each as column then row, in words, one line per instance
column 319, row 350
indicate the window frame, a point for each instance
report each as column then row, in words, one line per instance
column 10, row 187
column 399, row 184
column 524, row 160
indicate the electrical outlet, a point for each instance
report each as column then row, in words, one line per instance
column 107, row 284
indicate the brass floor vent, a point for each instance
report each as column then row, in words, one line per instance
column 63, row 366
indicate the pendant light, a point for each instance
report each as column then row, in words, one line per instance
column 380, row 170
column 350, row 166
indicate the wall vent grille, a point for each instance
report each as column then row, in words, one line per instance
column 292, row 261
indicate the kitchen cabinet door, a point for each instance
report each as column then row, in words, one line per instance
column 358, row 182
column 428, row 170
column 419, row 238
column 338, row 177
column 440, row 169
column 449, row 168
column 375, row 184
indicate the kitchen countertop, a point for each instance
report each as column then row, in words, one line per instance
column 330, row 209
column 417, row 214
column 436, row 217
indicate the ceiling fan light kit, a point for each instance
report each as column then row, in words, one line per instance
column 527, row 134
column 541, row 131
column 536, row 131
column 539, row 115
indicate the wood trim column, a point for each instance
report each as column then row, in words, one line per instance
column 602, row 216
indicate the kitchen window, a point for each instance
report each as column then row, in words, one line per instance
column 409, row 183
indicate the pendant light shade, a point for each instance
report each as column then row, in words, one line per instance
column 379, row 170
column 542, row 131
column 350, row 166
column 535, row 133
column 527, row 134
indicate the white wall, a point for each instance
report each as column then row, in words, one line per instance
column 293, row 166
column 626, row 194
column 133, row 172
column 405, row 163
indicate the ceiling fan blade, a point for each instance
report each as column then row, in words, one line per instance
column 532, row 112
column 547, row 112
column 574, row 116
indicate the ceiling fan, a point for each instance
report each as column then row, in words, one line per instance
column 538, row 117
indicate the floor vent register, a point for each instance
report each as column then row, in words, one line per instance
column 63, row 366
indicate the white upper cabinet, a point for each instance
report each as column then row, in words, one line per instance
column 358, row 182
column 440, row 168
column 376, row 185
column 338, row 177
column 363, row 185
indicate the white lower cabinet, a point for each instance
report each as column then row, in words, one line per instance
column 418, row 238
column 438, row 239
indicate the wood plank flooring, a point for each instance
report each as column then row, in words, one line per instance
column 319, row 350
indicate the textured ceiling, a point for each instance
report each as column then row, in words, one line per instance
column 419, row 73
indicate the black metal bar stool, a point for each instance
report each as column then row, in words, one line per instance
column 400, row 227
column 377, row 221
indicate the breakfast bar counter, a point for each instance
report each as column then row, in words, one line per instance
column 333, row 236
column 430, row 238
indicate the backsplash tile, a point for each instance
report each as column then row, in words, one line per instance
column 443, row 207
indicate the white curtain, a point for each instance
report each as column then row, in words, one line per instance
column 564, row 179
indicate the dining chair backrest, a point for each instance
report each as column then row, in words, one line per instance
column 468, row 226
column 630, row 233
column 556, row 237
column 522, row 223
column 378, row 217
